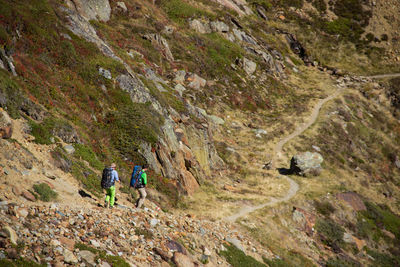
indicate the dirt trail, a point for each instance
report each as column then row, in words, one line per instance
column 294, row 187
column 382, row 76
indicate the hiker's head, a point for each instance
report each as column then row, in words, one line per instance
column 113, row 166
column 145, row 167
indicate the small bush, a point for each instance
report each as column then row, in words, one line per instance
column 10, row 90
column 331, row 232
column 90, row 180
column 144, row 232
column 45, row 192
column 238, row 258
column 115, row 261
column 325, row 208
column 320, row 5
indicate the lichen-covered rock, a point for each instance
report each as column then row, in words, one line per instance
column 306, row 164
column 92, row 9
column 199, row 26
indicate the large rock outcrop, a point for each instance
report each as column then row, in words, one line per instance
column 91, row 9
column 306, row 164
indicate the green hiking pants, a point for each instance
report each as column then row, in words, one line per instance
column 110, row 195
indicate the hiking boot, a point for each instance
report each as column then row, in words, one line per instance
column 111, row 207
column 106, row 204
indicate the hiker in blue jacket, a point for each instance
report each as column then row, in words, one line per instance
column 110, row 192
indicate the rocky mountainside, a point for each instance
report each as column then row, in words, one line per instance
column 271, row 129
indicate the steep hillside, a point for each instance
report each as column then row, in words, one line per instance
column 217, row 97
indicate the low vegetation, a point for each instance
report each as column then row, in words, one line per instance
column 45, row 192
column 331, row 232
column 238, row 258
column 115, row 261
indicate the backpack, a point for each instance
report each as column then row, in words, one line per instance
column 106, row 178
column 136, row 173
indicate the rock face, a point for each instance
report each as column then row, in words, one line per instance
column 162, row 44
column 182, row 260
column 92, row 9
column 306, row 164
column 240, row 6
column 5, row 125
column 353, row 199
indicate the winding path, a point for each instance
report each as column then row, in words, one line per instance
column 294, row 187
column 382, row 76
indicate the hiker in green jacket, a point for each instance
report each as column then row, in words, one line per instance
column 141, row 185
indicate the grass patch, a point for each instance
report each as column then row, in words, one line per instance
column 44, row 131
column 383, row 259
column 238, row 258
column 115, row 261
column 86, row 153
column 330, row 231
column 325, row 208
column 180, row 11
column 90, row 180
column 45, row 192
column 383, row 217
column 20, row 263
column 133, row 124
column 10, row 90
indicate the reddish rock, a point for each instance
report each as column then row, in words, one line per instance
column 6, row 132
column 16, row 191
column 359, row 243
column 230, row 188
column 29, row 196
column 165, row 255
column 12, row 253
column 305, row 219
column 182, row 260
column 353, row 199
column 68, row 243
column 190, row 184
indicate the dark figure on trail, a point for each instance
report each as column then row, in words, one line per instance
column 139, row 182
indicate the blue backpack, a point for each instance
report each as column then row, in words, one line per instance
column 137, row 171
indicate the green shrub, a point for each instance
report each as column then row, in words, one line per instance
column 10, row 89
column 115, row 261
column 382, row 259
column 276, row 262
column 90, row 180
column 220, row 53
column 383, row 217
column 342, row 262
column 179, row 11
column 86, row 153
column 144, row 232
column 20, row 263
column 238, row 258
column 331, row 232
column 325, row 208
column 320, row 5
column 132, row 124
column 266, row 4
column 291, row 3
column 45, row 130
column 45, row 192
